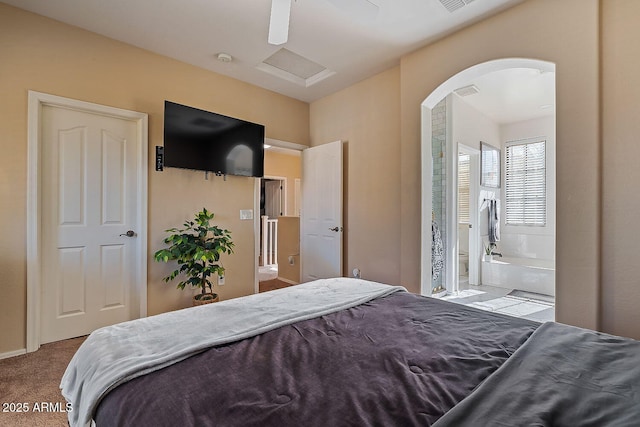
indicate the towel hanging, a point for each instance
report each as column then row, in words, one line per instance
column 494, row 221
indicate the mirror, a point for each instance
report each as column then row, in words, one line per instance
column 489, row 165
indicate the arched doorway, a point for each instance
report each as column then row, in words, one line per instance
column 460, row 80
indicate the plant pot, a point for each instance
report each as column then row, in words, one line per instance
column 207, row 298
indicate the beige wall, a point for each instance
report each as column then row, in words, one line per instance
column 367, row 117
column 597, row 271
column 46, row 56
column 566, row 33
column 289, row 246
column 288, row 166
column 621, row 175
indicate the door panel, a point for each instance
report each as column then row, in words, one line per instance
column 71, row 290
column 72, row 183
column 113, row 182
column 113, row 276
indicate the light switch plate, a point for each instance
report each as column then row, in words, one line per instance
column 246, row 213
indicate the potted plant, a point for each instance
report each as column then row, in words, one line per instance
column 197, row 249
column 488, row 251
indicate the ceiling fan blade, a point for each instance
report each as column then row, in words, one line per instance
column 279, row 23
column 362, row 10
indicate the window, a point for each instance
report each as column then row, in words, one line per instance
column 525, row 183
column 464, row 178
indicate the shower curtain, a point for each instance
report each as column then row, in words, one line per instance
column 437, row 251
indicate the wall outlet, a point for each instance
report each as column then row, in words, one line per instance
column 357, row 273
column 221, row 280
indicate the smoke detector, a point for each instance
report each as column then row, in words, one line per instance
column 224, row 57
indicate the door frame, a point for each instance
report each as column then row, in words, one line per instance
column 256, row 206
column 474, row 214
column 36, row 102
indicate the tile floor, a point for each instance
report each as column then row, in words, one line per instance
column 498, row 300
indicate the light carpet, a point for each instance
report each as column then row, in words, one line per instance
column 31, row 383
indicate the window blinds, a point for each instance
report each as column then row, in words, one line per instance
column 464, row 178
column 525, row 183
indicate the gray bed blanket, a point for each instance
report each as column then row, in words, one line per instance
column 562, row 376
column 113, row 355
column 399, row 360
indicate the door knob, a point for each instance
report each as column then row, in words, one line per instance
column 129, row 233
column 336, row 229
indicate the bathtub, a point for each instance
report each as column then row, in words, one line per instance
column 525, row 274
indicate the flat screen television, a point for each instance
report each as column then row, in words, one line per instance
column 202, row 140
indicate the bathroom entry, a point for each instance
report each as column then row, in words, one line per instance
column 519, row 114
column 467, row 214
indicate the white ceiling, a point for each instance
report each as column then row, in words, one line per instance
column 514, row 95
column 195, row 31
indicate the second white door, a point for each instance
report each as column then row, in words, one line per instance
column 321, row 214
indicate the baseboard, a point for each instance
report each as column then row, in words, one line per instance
column 291, row 282
column 13, row 353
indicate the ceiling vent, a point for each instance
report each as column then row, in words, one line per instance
column 294, row 68
column 453, row 5
column 467, row 90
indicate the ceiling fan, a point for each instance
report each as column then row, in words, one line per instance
column 281, row 11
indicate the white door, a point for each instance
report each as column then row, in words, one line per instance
column 89, row 206
column 475, row 243
column 273, row 198
column 472, row 242
column 321, row 214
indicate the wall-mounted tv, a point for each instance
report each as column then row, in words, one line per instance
column 202, row 140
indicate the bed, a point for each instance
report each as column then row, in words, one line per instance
column 348, row 352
